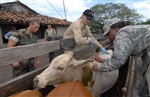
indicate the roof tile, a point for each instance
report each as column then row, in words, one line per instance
column 19, row 18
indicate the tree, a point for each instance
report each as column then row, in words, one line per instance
column 104, row 12
column 146, row 22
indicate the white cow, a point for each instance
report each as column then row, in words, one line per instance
column 64, row 68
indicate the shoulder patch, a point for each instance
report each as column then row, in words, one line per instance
column 16, row 34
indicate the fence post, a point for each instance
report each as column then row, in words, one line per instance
column 58, row 52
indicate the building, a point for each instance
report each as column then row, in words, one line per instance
column 18, row 15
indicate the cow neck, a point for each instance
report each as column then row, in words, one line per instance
column 87, row 75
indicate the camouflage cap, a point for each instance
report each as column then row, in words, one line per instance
column 108, row 25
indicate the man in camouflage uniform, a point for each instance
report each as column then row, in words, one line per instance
column 127, row 40
column 81, row 33
column 24, row 37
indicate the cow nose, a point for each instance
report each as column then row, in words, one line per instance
column 35, row 81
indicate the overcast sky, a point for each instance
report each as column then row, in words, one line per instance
column 75, row 8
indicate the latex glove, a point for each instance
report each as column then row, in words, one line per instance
column 103, row 50
column 91, row 43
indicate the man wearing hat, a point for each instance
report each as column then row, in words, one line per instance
column 128, row 40
column 81, row 33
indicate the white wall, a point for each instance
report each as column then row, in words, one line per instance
column 61, row 30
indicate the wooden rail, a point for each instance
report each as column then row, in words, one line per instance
column 9, row 55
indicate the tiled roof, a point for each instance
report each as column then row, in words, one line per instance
column 7, row 6
column 23, row 18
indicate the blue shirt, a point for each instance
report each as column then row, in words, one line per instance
column 8, row 34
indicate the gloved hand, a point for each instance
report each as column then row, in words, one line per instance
column 103, row 50
column 91, row 43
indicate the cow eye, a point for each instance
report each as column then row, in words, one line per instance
column 60, row 68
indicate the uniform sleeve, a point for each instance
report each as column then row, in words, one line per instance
column 123, row 46
column 15, row 36
column 79, row 39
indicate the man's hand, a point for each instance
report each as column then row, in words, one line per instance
column 37, row 62
column 103, row 50
column 15, row 65
column 98, row 59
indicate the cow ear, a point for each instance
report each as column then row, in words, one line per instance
column 82, row 63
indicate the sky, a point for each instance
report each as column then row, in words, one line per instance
column 75, row 8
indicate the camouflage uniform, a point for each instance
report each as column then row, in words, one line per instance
column 130, row 40
column 22, row 38
column 81, row 33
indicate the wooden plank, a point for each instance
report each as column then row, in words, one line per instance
column 9, row 55
column 14, row 85
column 54, row 37
column 131, row 77
column 67, row 43
column 83, row 53
column 3, row 46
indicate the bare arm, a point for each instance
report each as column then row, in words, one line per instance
column 12, row 43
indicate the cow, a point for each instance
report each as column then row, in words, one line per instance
column 65, row 68
column 28, row 93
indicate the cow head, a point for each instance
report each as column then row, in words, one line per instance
column 63, row 68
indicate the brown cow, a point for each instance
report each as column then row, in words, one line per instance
column 28, row 93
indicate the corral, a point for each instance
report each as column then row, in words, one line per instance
column 122, row 88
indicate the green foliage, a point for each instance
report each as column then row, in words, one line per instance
column 146, row 22
column 104, row 12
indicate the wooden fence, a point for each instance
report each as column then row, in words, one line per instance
column 9, row 55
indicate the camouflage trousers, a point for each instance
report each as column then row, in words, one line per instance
column 25, row 66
